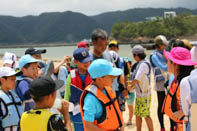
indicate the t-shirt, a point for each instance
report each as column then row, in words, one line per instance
column 143, row 79
column 92, row 107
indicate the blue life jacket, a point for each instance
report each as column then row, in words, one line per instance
column 13, row 108
column 27, row 104
column 156, row 70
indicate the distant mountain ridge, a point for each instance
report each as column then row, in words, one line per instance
column 68, row 26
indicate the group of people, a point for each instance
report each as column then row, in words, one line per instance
column 89, row 91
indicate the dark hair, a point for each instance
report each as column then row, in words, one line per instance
column 141, row 55
column 38, row 99
column 183, row 72
column 180, row 44
column 113, row 45
column 99, row 33
column 27, row 65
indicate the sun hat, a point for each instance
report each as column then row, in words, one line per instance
column 82, row 55
column 101, row 67
column 10, row 58
column 33, row 51
column 26, row 59
column 160, row 40
column 138, row 49
column 7, row 71
column 82, row 44
column 181, row 56
column 43, row 86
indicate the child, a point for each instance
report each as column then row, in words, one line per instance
column 10, row 105
column 29, row 66
column 99, row 106
column 141, row 80
column 76, row 83
column 43, row 91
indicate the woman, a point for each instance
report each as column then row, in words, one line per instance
column 180, row 65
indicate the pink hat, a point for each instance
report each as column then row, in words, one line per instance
column 180, row 56
column 82, row 44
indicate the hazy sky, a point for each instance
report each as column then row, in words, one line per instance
column 88, row 7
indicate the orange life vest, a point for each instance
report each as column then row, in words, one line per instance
column 111, row 118
column 173, row 99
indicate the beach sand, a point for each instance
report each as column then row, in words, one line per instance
column 153, row 112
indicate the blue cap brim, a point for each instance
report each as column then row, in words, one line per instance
column 87, row 59
column 115, row 72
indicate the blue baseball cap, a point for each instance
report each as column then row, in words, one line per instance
column 26, row 59
column 82, row 55
column 101, row 67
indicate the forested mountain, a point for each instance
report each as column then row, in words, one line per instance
column 69, row 26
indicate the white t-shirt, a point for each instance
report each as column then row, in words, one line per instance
column 142, row 77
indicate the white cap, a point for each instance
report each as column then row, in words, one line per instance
column 10, row 58
column 7, row 71
column 194, row 53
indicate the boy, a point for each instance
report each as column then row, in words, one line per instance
column 99, row 106
column 141, row 81
column 29, row 66
column 76, row 83
column 43, row 91
column 10, row 105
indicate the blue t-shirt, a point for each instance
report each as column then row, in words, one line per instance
column 158, row 62
column 92, row 107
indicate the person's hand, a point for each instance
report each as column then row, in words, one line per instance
column 125, row 92
column 65, row 107
column 178, row 115
column 66, row 59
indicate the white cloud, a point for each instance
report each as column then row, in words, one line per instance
column 89, row 7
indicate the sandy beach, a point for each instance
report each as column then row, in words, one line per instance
column 153, row 113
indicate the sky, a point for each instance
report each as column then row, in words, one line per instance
column 88, row 7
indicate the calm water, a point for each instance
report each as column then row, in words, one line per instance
column 59, row 52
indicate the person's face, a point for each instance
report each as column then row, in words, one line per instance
column 37, row 56
column 88, row 47
column 83, row 66
column 170, row 66
column 100, row 45
column 9, row 82
column 114, row 48
column 8, row 65
column 31, row 71
column 162, row 47
column 107, row 80
column 135, row 56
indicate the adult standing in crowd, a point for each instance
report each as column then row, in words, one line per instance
column 159, row 64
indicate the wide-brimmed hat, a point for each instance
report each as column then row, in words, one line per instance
column 180, row 56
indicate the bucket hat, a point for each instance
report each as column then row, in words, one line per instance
column 181, row 56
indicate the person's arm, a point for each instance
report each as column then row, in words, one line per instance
column 65, row 59
column 1, row 116
column 67, row 90
column 143, row 70
column 158, row 63
column 90, row 126
column 23, row 90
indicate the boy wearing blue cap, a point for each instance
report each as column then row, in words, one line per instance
column 77, row 80
column 99, row 107
column 29, row 66
column 10, row 105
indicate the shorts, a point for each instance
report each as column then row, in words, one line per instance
column 131, row 98
column 142, row 106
